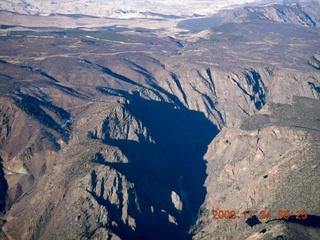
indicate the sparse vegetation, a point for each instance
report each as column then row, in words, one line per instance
column 8, row 130
column 5, row 125
column 304, row 112
column 31, row 106
column 5, row 119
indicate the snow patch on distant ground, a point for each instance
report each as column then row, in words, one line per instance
column 126, row 8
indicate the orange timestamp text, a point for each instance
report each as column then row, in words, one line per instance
column 262, row 214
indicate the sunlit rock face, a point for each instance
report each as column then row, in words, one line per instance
column 257, row 167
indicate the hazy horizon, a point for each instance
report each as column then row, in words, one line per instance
column 130, row 9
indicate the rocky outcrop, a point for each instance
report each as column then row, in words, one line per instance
column 295, row 14
column 269, row 164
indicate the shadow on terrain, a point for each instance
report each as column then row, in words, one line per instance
column 310, row 221
column 34, row 107
column 253, row 221
column 172, row 162
column 3, row 188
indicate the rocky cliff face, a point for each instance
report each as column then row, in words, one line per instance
column 270, row 164
column 105, row 135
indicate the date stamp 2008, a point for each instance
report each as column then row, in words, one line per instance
column 263, row 214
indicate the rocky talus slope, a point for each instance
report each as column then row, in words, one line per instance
column 135, row 135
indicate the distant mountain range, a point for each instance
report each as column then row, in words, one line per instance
column 130, row 9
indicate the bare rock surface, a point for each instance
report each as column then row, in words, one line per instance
column 265, row 166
